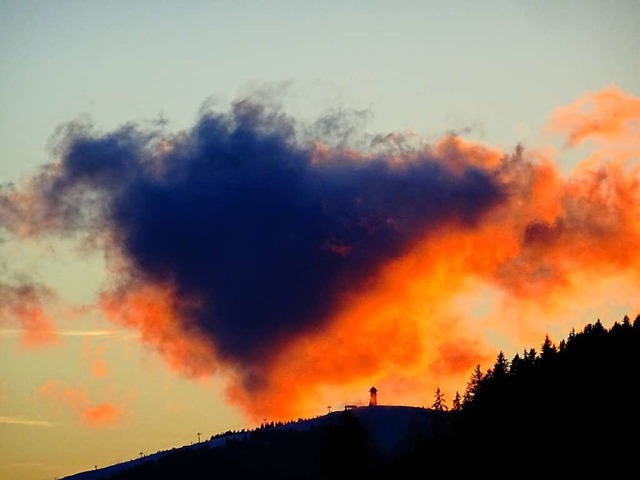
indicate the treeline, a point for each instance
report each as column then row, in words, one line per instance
column 568, row 408
column 263, row 425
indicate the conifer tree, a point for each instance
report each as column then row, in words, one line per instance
column 439, row 404
column 457, row 402
column 501, row 367
column 548, row 348
column 473, row 385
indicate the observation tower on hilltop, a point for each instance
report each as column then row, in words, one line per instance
column 373, row 401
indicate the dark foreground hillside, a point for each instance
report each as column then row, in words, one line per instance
column 564, row 410
column 349, row 442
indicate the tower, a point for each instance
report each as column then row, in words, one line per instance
column 373, row 401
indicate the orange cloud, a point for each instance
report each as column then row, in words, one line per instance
column 553, row 250
column 153, row 311
column 23, row 304
column 104, row 414
column 461, row 153
column 609, row 114
column 99, row 368
column 95, row 357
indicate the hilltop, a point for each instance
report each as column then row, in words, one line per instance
column 383, row 432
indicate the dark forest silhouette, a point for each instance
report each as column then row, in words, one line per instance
column 562, row 410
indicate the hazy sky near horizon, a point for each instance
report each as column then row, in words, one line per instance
column 89, row 377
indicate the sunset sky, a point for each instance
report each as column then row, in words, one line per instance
column 218, row 212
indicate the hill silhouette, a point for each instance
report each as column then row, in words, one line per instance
column 312, row 448
column 562, row 410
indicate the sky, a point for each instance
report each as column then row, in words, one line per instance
column 215, row 213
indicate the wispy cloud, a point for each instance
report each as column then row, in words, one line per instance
column 12, row 332
column 88, row 333
column 91, row 414
column 29, row 422
column 24, row 303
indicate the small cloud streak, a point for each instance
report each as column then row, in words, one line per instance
column 304, row 263
column 12, row 332
column 87, row 333
column 8, row 420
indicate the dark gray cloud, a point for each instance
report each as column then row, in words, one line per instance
column 240, row 214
